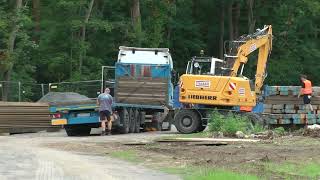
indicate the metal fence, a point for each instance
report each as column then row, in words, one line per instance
column 88, row 88
column 16, row 91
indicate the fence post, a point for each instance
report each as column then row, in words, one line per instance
column 42, row 89
column 19, row 87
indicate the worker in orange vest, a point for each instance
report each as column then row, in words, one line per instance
column 306, row 91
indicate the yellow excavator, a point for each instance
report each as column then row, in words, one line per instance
column 213, row 83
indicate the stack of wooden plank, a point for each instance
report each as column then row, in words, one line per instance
column 282, row 105
column 22, row 117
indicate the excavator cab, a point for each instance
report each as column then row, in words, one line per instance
column 204, row 66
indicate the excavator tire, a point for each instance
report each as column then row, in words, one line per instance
column 187, row 121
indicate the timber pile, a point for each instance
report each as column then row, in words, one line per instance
column 24, row 117
column 283, row 106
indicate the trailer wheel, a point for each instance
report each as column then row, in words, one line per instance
column 187, row 121
column 77, row 130
column 137, row 121
column 124, row 117
column 132, row 120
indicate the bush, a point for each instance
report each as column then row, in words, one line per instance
column 280, row 131
column 228, row 124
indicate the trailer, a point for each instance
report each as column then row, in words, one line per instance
column 143, row 95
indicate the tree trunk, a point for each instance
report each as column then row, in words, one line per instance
column 221, row 43
column 251, row 19
column 11, row 43
column 136, row 20
column 230, row 20
column 83, row 36
column 236, row 20
column 36, row 18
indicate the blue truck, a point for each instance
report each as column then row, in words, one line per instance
column 142, row 91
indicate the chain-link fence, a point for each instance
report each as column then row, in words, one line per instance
column 16, row 91
column 10, row 91
column 88, row 88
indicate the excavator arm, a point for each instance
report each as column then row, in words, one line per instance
column 261, row 40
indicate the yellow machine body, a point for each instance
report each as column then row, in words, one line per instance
column 216, row 90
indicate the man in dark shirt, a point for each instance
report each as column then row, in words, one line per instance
column 105, row 101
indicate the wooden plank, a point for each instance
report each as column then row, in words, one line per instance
column 217, row 140
column 278, row 106
column 22, row 104
column 141, row 79
column 277, row 111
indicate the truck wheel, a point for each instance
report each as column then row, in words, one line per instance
column 77, row 130
column 132, row 121
column 137, row 120
column 124, row 117
column 187, row 121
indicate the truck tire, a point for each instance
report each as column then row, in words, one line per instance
column 132, row 120
column 187, row 121
column 124, row 118
column 77, row 130
column 137, row 121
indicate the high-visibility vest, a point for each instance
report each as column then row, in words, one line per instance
column 307, row 87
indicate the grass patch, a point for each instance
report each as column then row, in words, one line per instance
column 280, row 131
column 311, row 170
column 196, row 173
column 128, row 155
column 229, row 124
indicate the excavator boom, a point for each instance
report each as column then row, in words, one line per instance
column 261, row 40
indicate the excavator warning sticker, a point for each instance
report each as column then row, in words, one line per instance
column 202, row 84
column 242, row 91
column 232, row 86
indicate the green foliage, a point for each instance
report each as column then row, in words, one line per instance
column 126, row 155
column 280, row 131
column 205, row 173
column 51, row 53
column 220, row 174
column 228, row 124
column 309, row 169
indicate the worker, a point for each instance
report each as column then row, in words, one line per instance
column 104, row 102
column 306, row 91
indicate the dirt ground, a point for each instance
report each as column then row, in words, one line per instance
column 252, row 158
column 262, row 159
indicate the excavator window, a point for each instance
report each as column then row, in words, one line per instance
column 204, row 66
